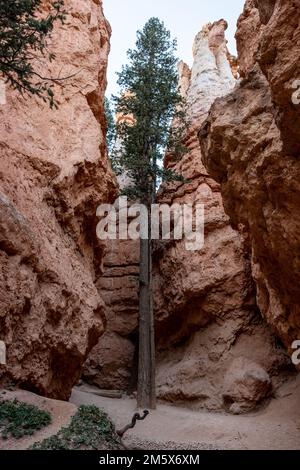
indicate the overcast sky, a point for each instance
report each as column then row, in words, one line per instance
column 183, row 17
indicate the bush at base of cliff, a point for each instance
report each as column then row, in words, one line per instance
column 90, row 429
column 18, row 419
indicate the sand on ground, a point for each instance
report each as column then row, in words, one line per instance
column 276, row 427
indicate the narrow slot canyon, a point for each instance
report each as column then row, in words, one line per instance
column 226, row 316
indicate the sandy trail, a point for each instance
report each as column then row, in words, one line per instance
column 277, row 427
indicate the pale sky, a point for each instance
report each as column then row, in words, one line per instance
column 184, row 18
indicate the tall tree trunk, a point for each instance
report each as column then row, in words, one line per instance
column 146, row 369
column 152, row 334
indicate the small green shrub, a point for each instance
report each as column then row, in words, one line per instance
column 18, row 419
column 90, row 428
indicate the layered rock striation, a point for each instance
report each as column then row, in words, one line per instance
column 54, row 172
column 112, row 363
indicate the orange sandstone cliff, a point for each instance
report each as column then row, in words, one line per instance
column 215, row 351
column 54, row 172
column 250, row 145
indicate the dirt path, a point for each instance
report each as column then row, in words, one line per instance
column 276, row 427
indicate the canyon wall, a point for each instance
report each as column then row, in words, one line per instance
column 214, row 350
column 111, row 363
column 54, row 172
column 250, row 145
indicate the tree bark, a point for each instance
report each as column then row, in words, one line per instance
column 146, row 396
column 152, row 334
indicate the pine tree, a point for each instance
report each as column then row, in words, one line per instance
column 24, row 29
column 149, row 93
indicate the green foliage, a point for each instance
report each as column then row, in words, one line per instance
column 111, row 127
column 90, row 429
column 18, row 419
column 24, row 30
column 149, row 93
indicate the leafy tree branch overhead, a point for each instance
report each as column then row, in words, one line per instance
column 24, row 30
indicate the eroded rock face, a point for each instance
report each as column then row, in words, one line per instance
column 250, row 144
column 211, row 74
column 245, row 384
column 247, row 36
column 111, row 363
column 206, row 314
column 54, row 172
column 205, row 307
